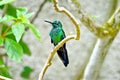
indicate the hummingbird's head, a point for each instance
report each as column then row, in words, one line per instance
column 55, row 23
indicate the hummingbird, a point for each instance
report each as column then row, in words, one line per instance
column 57, row 34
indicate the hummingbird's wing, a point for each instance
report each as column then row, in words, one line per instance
column 62, row 52
column 63, row 36
column 51, row 41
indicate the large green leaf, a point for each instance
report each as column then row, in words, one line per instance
column 13, row 49
column 18, row 30
column 2, row 2
column 34, row 30
column 25, row 47
column 26, row 72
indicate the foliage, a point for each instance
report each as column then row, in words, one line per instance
column 13, row 23
column 26, row 72
column 4, row 69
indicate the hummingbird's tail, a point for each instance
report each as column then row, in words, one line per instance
column 62, row 52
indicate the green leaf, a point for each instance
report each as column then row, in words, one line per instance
column 26, row 72
column 95, row 17
column 29, row 15
column 18, row 30
column 21, row 11
column 25, row 47
column 13, row 49
column 49, row 0
column 3, row 69
column 11, row 10
column 1, row 40
column 22, row 15
column 5, row 72
column 5, row 2
column 34, row 30
column 1, row 63
column 7, row 18
column 1, row 6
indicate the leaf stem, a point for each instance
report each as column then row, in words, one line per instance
column 4, row 34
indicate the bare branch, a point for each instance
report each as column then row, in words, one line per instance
column 101, row 48
column 76, row 37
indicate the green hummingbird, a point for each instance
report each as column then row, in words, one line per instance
column 57, row 34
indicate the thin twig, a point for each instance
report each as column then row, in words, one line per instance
column 37, row 13
column 4, row 34
column 76, row 37
column 4, row 78
column 39, row 10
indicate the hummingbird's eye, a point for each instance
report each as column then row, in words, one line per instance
column 57, row 23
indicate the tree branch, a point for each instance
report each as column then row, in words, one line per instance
column 100, row 31
column 87, row 21
column 76, row 37
column 101, row 48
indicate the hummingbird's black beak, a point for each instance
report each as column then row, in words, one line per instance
column 48, row 21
